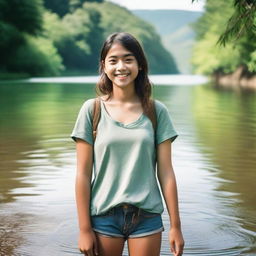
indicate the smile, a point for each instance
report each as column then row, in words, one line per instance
column 121, row 75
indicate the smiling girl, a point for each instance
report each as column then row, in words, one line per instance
column 117, row 194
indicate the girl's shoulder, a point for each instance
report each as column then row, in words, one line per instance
column 89, row 102
column 87, row 106
column 160, row 106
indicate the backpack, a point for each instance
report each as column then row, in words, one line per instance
column 150, row 113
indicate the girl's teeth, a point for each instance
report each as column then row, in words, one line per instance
column 122, row 75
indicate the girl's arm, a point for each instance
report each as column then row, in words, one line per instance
column 87, row 240
column 168, row 185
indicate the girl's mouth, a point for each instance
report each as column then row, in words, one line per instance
column 121, row 75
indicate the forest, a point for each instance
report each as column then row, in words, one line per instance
column 226, row 38
column 64, row 37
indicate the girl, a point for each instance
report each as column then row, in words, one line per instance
column 123, row 202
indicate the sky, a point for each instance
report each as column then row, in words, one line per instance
column 162, row 4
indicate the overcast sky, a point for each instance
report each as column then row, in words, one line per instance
column 162, row 4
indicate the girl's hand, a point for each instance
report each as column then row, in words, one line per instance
column 176, row 241
column 88, row 243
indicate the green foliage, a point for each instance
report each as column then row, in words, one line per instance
column 75, row 4
column 214, row 14
column 25, row 16
column 61, row 7
column 10, row 39
column 37, row 56
column 77, row 37
column 17, row 22
column 252, row 62
column 242, row 21
column 209, row 56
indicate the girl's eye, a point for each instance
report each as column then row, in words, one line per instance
column 129, row 60
column 112, row 61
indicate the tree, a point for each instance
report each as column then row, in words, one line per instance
column 77, row 36
column 242, row 21
column 23, row 49
column 210, row 56
column 17, row 20
column 25, row 17
column 61, row 7
column 75, row 4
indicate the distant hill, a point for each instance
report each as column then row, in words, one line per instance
column 115, row 18
column 176, row 32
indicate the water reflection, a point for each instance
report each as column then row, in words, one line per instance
column 226, row 127
column 214, row 159
column 226, row 123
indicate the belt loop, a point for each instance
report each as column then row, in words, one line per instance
column 133, row 216
column 139, row 211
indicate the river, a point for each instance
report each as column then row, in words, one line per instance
column 214, row 159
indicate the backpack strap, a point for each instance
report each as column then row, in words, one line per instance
column 96, row 116
column 150, row 112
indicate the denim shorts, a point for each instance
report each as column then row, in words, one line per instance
column 127, row 221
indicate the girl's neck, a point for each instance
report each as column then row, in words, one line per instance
column 124, row 95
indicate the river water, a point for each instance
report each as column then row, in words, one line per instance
column 214, row 159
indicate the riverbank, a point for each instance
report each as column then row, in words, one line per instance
column 178, row 79
column 13, row 76
column 241, row 79
column 66, row 73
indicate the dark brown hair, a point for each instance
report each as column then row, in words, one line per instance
column 142, row 83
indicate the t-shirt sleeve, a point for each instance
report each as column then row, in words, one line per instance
column 83, row 125
column 165, row 129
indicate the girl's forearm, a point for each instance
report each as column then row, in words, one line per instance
column 169, row 190
column 83, row 188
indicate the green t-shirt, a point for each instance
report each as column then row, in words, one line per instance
column 124, row 169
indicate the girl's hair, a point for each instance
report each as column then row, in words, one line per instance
column 142, row 83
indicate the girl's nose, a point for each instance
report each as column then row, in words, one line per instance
column 120, row 65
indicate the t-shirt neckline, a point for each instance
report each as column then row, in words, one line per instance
column 131, row 124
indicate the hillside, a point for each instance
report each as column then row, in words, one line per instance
column 51, row 40
column 115, row 18
column 177, row 36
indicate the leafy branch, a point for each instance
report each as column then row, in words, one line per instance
column 241, row 22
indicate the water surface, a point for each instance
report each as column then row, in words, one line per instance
column 214, row 160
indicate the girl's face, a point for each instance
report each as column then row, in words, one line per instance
column 121, row 66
